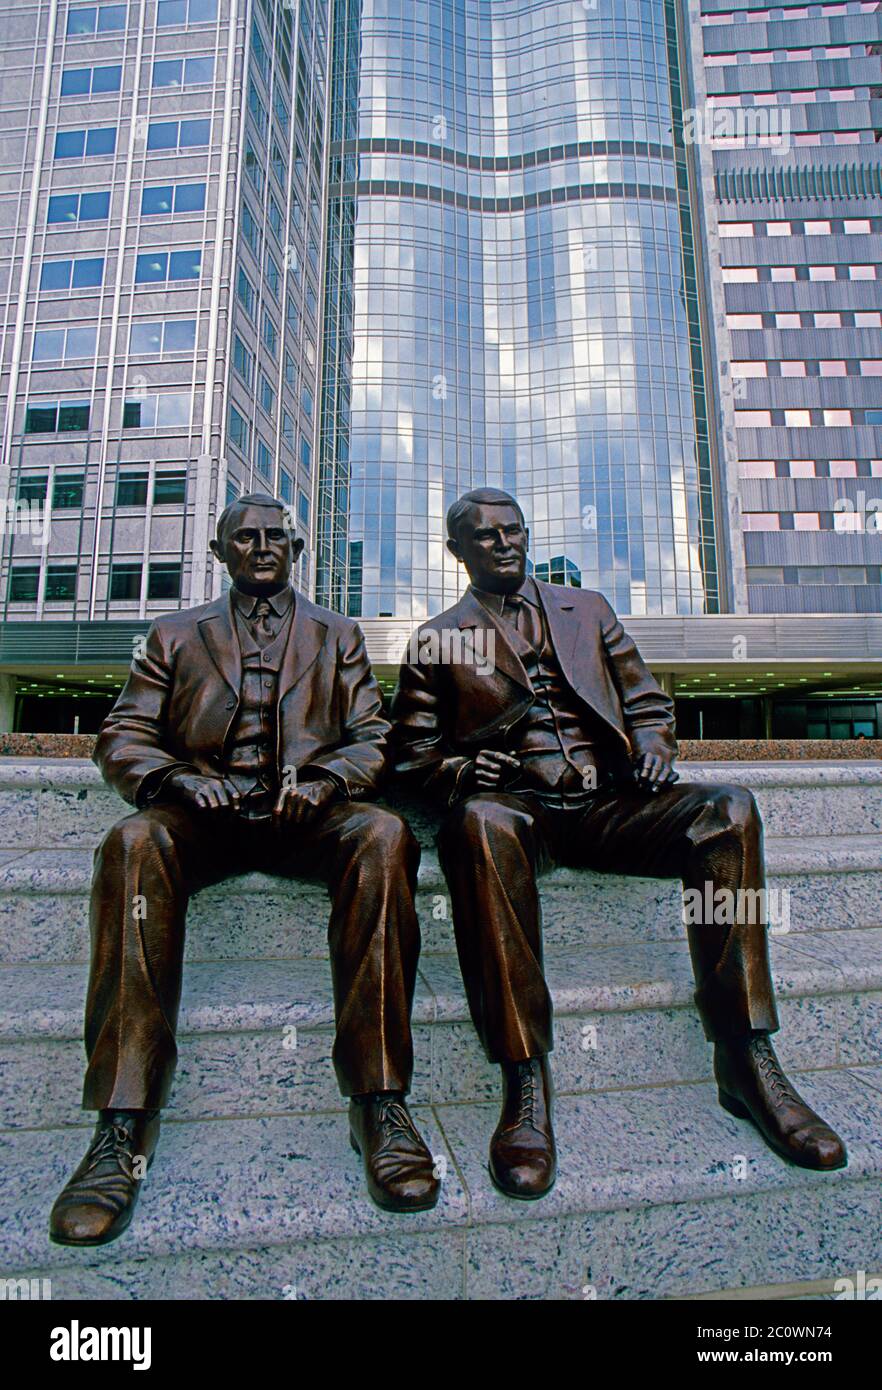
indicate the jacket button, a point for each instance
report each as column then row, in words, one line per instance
column 231, row 704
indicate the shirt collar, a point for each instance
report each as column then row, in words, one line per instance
column 496, row 602
column 280, row 603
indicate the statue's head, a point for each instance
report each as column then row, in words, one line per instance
column 486, row 532
column 256, row 543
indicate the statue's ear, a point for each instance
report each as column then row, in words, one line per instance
column 297, row 545
column 215, row 548
column 453, row 547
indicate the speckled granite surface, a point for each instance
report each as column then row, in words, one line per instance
column 691, row 750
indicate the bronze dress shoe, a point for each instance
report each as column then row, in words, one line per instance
column 98, row 1202
column 523, row 1158
column 399, row 1169
column 752, row 1086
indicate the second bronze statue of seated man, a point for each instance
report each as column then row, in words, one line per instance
column 561, row 750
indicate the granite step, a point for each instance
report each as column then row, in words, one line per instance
column 63, row 802
column 827, row 882
column 255, row 1037
column 660, row 1194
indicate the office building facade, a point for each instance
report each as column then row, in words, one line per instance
column 162, row 225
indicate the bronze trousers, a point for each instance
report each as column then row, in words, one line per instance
column 494, row 846
column 146, row 868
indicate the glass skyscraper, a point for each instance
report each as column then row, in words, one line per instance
column 512, row 300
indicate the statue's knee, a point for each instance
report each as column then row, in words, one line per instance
column 477, row 818
column 387, row 835
column 133, row 835
column 736, row 806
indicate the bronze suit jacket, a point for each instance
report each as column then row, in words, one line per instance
column 445, row 710
column 183, row 692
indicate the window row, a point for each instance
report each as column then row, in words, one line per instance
column 790, row 274
column 847, row 520
column 169, row 489
column 814, row 574
column 798, row 368
column 810, row 468
column 126, row 580
column 849, row 226
column 805, row 419
column 108, row 19
column 817, row 319
column 167, row 72
column 794, row 12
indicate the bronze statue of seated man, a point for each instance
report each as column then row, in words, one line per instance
column 560, row 750
column 249, row 736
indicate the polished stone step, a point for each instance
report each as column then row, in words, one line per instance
column 660, row 1194
column 63, row 802
column 831, row 883
column 255, row 1037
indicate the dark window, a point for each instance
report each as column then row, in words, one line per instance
column 164, row 581
column 169, row 487
column 61, row 582
column 33, row 489
column 70, row 144
column 88, row 272
column 125, row 582
column 67, row 491
column 190, row 197
column 41, row 419
column 73, row 416
column 131, row 415
column 101, row 141
column 23, row 584
column 55, row 275
column 131, row 490
column 157, row 200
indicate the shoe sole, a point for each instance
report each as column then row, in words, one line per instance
column 390, row 1206
column 736, row 1107
column 520, row 1196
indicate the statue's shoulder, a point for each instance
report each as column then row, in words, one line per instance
column 181, row 622
column 586, row 602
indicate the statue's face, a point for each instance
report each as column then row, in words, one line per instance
column 258, row 550
column 492, row 543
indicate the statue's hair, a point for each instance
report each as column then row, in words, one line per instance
column 251, row 499
column 459, row 510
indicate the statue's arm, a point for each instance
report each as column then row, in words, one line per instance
column 129, row 749
column 648, row 711
column 421, row 753
column 358, row 766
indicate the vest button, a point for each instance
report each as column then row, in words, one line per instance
column 231, row 704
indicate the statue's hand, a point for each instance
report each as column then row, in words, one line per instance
column 201, row 793
column 493, row 771
column 299, row 806
column 652, row 771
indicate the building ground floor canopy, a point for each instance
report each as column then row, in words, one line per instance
column 732, row 676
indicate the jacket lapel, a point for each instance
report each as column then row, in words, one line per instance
column 307, row 635
column 473, row 615
column 217, row 629
column 564, row 625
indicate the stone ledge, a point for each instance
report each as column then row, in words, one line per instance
column 691, row 750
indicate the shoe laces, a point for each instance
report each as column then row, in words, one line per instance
column 769, row 1069
column 527, row 1099
column 114, row 1143
column 395, row 1120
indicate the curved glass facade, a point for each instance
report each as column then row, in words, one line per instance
column 510, row 300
